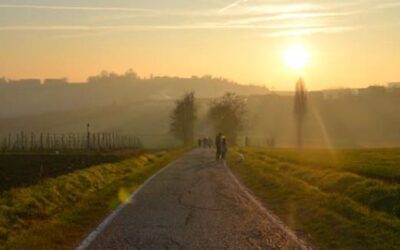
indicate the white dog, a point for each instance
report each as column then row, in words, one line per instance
column 241, row 157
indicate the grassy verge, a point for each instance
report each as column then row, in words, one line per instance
column 59, row 212
column 382, row 164
column 27, row 169
column 332, row 203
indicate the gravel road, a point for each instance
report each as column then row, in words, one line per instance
column 195, row 204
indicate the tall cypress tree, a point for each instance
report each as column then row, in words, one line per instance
column 300, row 110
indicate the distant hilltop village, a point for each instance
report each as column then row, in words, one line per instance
column 34, row 82
column 34, row 96
column 375, row 89
column 167, row 92
column 154, row 87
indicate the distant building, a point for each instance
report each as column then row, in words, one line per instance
column 338, row 93
column 55, row 81
column 373, row 91
column 394, row 88
column 393, row 85
column 315, row 95
column 26, row 82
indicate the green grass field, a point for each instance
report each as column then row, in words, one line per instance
column 58, row 212
column 343, row 199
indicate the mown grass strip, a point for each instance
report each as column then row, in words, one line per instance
column 329, row 219
column 59, row 212
column 382, row 164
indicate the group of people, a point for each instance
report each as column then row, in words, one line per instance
column 205, row 142
column 221, row 145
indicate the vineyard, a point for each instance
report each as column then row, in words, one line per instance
column 28, row 158
column 33, row 142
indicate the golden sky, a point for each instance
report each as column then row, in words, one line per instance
column 350, row 43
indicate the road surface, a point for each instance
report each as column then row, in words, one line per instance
column 195, row 203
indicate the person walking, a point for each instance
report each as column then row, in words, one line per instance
column 218, row 146
column 204, row 142
column 224, row 148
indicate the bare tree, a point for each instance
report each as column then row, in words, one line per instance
column 228, row 115
column 183, row 119
column 300, row 110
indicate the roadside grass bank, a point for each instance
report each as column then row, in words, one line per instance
column 327, row 197
column 26, row 169
column 382, row 164
column 59, row 212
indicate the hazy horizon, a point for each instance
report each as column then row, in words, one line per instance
column 152, row 76
column 348, row 44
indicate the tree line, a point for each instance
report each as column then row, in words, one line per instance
column 228, row 115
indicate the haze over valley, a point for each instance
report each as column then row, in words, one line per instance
column 129, row 104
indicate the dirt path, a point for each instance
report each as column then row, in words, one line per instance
column 194, row 204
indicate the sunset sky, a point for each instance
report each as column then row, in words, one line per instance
column 350, row 43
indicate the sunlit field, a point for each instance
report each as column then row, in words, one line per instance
column 342, row 199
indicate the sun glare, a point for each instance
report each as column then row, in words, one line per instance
column 296, row 56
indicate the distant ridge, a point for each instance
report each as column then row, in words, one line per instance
column 32, row 96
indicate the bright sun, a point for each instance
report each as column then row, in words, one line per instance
column 296, row 56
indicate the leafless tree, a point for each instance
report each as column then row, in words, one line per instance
column 228, row 115
column 183, row 119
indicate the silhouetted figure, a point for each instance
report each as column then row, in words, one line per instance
column 205, row 142
column 224, row 148
column 199, row 141
column 218, row 146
